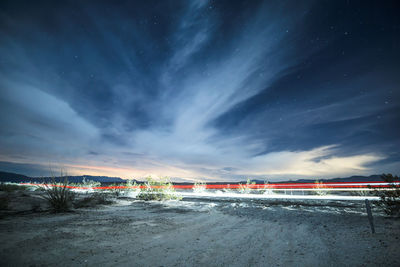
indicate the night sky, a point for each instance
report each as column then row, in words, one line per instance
column 200, row 90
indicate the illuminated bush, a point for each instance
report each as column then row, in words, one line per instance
column 320, row 185
column 390, row 198
column 362, row 193
column 246, row 188
column 116, row 189
column 131, row 186
column 228, row 189
column 266, row 190
column 157, row 190
column 124, row 189
column 199, row 187
column 90, row 183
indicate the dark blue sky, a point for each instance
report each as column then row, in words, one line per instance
column 200, row 90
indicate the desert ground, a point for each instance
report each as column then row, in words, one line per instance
column 197, row 232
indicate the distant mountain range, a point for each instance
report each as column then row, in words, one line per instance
column 19, row 178
column 370, row 178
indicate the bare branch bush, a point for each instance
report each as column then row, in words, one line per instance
column 58, row 195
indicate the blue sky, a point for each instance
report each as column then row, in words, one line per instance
column 200, row 90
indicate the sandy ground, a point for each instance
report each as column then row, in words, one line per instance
column 201, row 232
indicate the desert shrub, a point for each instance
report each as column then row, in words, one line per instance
column 361, row 193
column 123, row 189
column 117, row 190
column 320, row 185
column 86, row 183
column 132, row 189
column 59, row 196
column 199, row 187
column 131, row 186
column 245, row 188
column 390, row 198
column 266, row 189
column 7, row 187
column 157, row 190
column 228, row 189
column 92, row 200
column 90, row 183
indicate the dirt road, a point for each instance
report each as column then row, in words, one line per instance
column 199, row 233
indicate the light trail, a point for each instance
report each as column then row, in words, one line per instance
column 338, row 186
column 271, row 190
column 276, row 196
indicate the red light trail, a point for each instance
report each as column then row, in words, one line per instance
column 276, row 186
